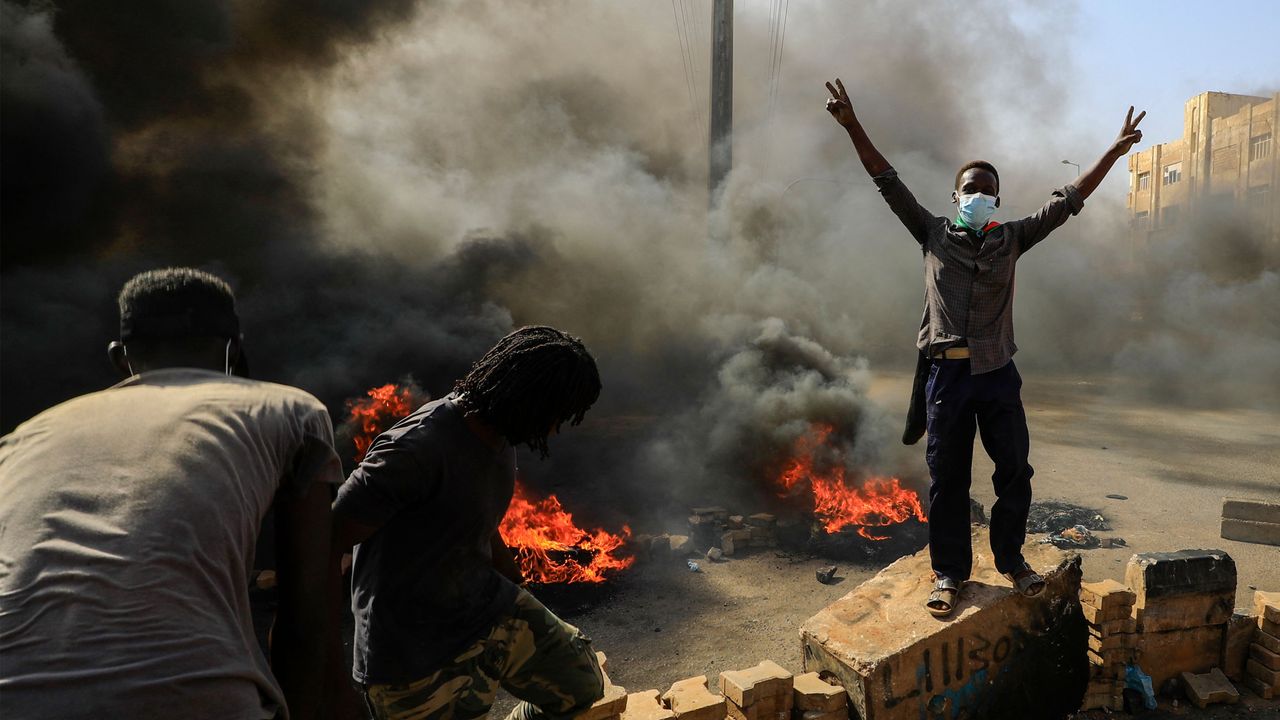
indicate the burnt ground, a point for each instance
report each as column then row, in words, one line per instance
column 660, row 622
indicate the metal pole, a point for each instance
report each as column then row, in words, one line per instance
column 721, row 138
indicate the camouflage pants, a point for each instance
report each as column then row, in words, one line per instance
column 543, row 661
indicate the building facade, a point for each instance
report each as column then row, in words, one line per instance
column 1224, row 163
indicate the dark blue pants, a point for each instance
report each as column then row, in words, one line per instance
column 959, row 404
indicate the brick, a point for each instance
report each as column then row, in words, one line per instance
column 1106, row 672
column 1114, row 627
column 811, row 692
column 1256, row 510
column 690, row 699
column 1240, row 632
column 611, row 705
column 1267, row 640
column 1178, row 612
column 1267, row 605
column 715, row 512
column 760, row 534
column 1265, row 657
column 1267, row 676
column 746, row 687
column 1185, row 572
column 1209, row 688
column 645, row 705
column 762, row 520
column 1122, row 656
column 1114, row 642
column 1106, row 594
column 736, row 521
column 603, row 661
column 1168, row 654
column 773, row 707
column 1096, row 616
column 1269, row 627
column 1259, row 688
column 734, row 541
column 1250, row 531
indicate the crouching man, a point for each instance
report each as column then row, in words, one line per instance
column 441, row 619
column 128, row 520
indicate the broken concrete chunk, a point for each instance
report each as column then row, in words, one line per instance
column 1185, row 572
column 826, row 574
column 747, row 687
column 680, row 544
column 812, row 693
column 715, row 553
column 1209, row 688
column 690, row 699
column 611, row 705
column 645, row 705
column 1106, row 594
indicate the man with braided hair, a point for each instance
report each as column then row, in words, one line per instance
column 441, row 619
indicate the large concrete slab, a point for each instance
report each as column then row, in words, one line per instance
column 898, row 662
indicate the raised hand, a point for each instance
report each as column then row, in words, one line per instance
column 839, row 105
column 1129, row 134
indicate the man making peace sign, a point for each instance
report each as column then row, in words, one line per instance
column 966, row 345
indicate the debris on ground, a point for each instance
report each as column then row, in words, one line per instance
column 694, row 567
column 1075, row 537
column 1051, row 516
column 826, row 574
column 715, row 554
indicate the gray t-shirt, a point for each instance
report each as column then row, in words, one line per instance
column 424, row 586
column 127, row 527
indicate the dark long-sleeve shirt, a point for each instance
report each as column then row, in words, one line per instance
column 968, row 277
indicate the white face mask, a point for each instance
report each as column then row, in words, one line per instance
column 976, row 209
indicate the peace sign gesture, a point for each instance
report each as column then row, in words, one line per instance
column 1129, row 134
column 839, row 105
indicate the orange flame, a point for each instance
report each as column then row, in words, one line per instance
column 879, row 502
column 550, row 548
column 380, row 410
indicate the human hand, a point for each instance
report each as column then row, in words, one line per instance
column 839, row 105
column 1129, row 134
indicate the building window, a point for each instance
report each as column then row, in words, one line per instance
column 1169, row 216
column 1260, row 146
column 1172, row 173
column 1259, row 201
column 1144, row 181
column 1140, row 220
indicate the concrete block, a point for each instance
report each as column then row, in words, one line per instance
column 645, row 705
column 1115, row 627
column 1177, row 612
column 897, row 662
column 1267, row 640
column 811, row 692
column 1106, row 594
column 1123, row 641
column 1259, row 688
column 611, row 705
column 1112, row 658
column 681, row 545
column 735, row 541
column 1168, row 654
column 1209, row 688
column 1256, row 510
column 1265, row 657
column 760, row 534
column 690, row 699
column 715, row 554
column 1264, row 674
column 762, row 520
column 1185, row 572
column 745, row 688
column 715, row 512
column 736, row 521
column 1267, row 605
column 1096, row 616
column 1240, row 632
column 1250, row 531
column 603, row 661
column 1269, row 627
column 764, row 710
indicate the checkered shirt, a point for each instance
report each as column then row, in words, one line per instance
column 968, row 277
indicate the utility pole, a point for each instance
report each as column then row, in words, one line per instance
column 721, row 140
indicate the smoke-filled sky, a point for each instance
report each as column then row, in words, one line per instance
column 391, row 186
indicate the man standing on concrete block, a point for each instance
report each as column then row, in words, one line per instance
column 441, row 619
column 966, row 348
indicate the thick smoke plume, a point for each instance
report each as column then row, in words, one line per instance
column 391, row 186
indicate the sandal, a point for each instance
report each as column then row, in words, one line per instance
column 1026, row 581
column 943, row 598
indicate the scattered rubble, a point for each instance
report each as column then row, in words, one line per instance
column 826, row 574
column 1051, row 516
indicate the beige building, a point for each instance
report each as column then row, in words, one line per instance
column 1225, row 162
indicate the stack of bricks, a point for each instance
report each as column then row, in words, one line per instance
column 752, row 531
column 764, row 692
column 816, row 699
column 1262, row 669
column 614, row 703
column 1108, row 608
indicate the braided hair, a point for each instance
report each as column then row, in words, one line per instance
column 530, row 383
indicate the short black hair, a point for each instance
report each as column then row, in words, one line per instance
column 979, row 165
column 533, row 380
column 177, row 303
